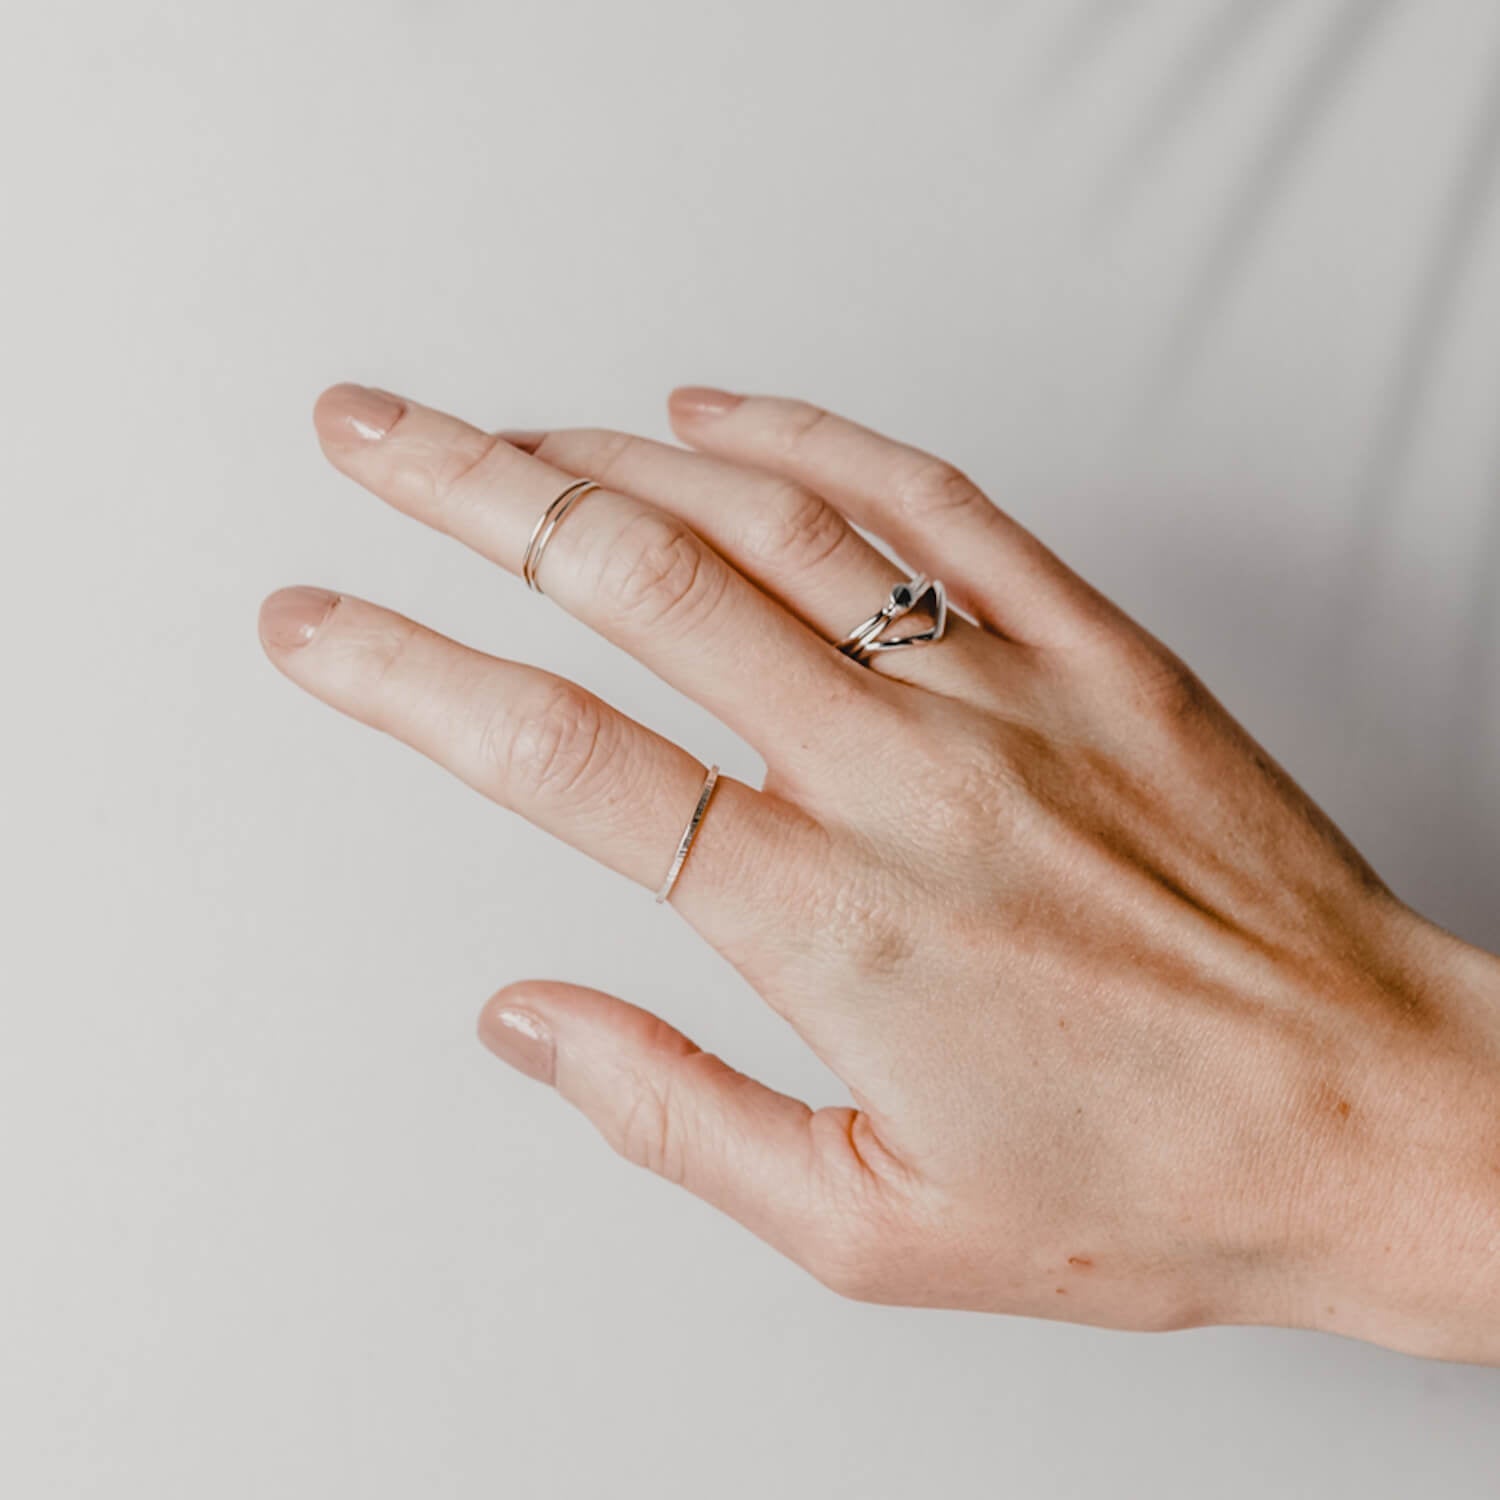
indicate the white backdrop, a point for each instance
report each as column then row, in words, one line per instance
column 1208, row 293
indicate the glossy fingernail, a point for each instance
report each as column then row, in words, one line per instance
column 528, row 439
column 520, row 1038
column 703, row 401
column 292, row 617
column 356, row 412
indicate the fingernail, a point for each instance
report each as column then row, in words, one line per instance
column 704, row 401
column 292, row 617
column 528, row 439
column 356, row 411
column 520, row 1038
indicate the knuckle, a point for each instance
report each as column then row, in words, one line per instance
column 970, row 780
column 654, row 569
column 551, row 749
column 857, row 917
column 933, row 487
column 1165, row 689
column 796, row 526
column 647, row 1134
column 451, row 470
column 798, row 422
column 596, row 451
column 378, row 656
column 969, row 810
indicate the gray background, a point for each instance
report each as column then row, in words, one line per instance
column 1208, row 293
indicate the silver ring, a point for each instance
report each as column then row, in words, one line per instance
column 868, row 637
column 547, row 523
column 685, row 843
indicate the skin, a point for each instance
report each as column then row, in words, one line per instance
column 1133, row 1035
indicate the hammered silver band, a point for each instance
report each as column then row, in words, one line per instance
column 547, row 523
column 685, row 843
column 868, row 637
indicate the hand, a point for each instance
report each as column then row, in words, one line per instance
column 1134, row 1037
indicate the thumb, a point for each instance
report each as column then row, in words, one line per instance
column 812, row 1183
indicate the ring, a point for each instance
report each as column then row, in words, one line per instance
column 685, row 843
column 548, row 522
column 867, row 637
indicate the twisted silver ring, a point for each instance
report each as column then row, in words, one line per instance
column 547, row 523
column 868, row 636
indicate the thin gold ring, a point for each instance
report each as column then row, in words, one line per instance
column 547, row 523
column 685, row 843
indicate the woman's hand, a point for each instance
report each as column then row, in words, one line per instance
column 1134, row 1036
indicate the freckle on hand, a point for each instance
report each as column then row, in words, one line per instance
column 1079, row 1260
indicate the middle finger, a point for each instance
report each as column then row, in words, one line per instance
column 783, row 536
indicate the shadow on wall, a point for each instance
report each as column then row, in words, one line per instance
column 1211, row 52
column 1439, row 790
column 1309, row 100
column 1086, row 33
column 1409, row 792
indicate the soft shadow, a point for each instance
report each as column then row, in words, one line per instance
column 1310, row 97
column 1211, row 51
column 1477, row 688
column 1088, row 32
column 1457, row 241
column 1355, row 738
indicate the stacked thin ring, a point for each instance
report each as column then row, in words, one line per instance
column 547, row 523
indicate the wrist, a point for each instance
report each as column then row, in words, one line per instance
column 1407, row 1250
